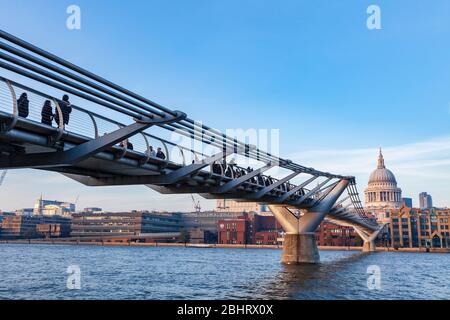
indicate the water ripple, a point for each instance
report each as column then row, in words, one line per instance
column 39, row 272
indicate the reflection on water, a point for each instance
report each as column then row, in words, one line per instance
column 34, row 272
column 314, row 281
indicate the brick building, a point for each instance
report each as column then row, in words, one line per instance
column 249, row 229
column 234, row 231
column 26, row 227
column 419, row 228
column 330, row 234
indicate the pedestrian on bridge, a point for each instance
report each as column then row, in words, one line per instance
column 66, row 109
column 23, row 105
column 160, row 154
column 129, row 145
column 47, row 113
column 152, row 152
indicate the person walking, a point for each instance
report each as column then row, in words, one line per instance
column 152, row 152
column 47, row 113
column 66, row 109
column 160, row 154
column 23, row 105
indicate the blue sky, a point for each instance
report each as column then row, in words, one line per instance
column 336, row 90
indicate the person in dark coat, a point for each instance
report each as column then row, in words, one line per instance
column 66, row 109
column 23, row 105
column 129, row 145
column 160, row 154
column 47, row 113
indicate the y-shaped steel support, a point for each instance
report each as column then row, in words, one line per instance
column 368, row 238
column 299, row 244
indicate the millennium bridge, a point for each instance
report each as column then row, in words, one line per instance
column 109, row 141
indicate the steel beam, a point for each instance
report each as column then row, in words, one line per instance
column 314, row 216
column 161, row 179
column 268, row 189
column 227, row 187
column 311, row 192
column 84, row 150
column 324, row 192
column 287, row 220
column 296, row 189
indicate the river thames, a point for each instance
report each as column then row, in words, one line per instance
column 40, row 272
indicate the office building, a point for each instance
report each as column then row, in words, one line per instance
column 407, row 202
column 231, row 206
column 53, row 208
column 419, row 228
column 123, row 223
column 31, row 227
column 425, row 201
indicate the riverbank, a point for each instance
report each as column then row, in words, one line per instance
column 212, row 246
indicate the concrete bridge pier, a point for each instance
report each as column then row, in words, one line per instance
column 299, row 245
column 300, row 248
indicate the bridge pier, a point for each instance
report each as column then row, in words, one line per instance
column 300, row 248
column 299, row 244
column 368, row 246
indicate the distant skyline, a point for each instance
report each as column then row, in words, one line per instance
column 335, row 90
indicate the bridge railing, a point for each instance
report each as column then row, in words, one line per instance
column 92, row 125
column 82, row 122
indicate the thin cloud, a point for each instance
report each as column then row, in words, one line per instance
column 423, row 165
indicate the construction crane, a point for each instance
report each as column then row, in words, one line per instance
column 2, row 177
column 197, row 206
column 224, row 205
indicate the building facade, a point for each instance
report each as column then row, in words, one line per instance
column 330, row 234
column 53, row 208
column 123, row 223
column 249, row 228
column 26, row 227
column 202, row 226
column 234, row 231
column 419, row 228
column 382, row 193
column 407, row 202
column 231, row 206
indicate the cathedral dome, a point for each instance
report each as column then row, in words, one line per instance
column 381, row 174
column 382, row 192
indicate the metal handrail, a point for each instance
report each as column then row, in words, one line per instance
column 93, row 122
column 15, row 107
column 61, row 124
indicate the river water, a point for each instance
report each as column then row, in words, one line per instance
column 40, row 272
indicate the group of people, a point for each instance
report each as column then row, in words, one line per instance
column 47, row 115
column 157, row 154
column 230, row 170
column 154, row 154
